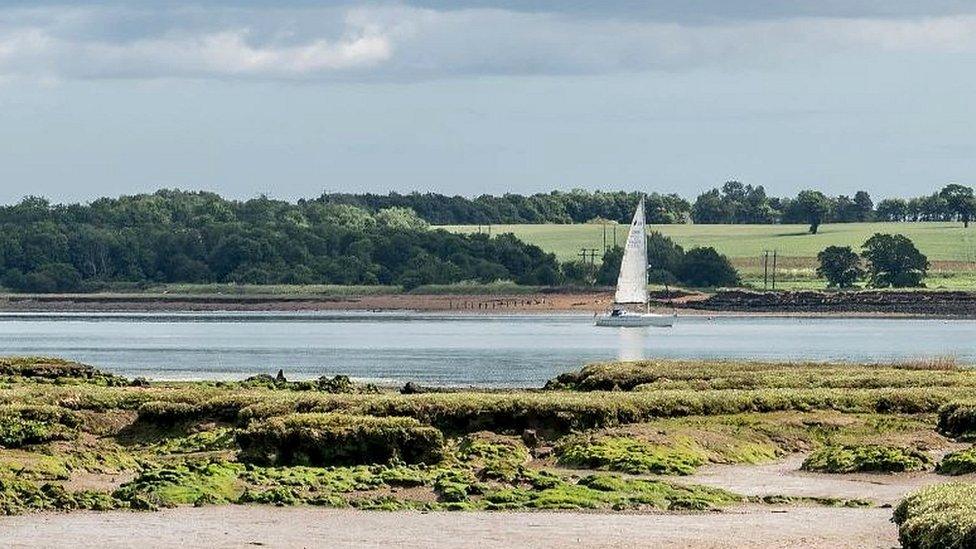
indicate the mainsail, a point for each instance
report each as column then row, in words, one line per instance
column 632, row 282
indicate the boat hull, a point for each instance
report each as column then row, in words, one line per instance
column 636, row 320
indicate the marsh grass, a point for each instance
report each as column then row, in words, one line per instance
column 681, row 445
column 650, row 375
column 938, row 517
column 339, row 439
column 866, row 458
column 269, row 443
column 962, row 462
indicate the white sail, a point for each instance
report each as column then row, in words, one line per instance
column 632, row 282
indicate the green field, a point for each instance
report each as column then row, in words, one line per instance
column 950, row 247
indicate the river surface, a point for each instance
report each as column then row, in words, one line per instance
column 515, row 350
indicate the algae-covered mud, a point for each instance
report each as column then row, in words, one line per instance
column 617, row 437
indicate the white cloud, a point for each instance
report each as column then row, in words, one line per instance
column 400, row 42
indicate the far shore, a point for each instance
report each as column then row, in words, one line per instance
column 936, row 305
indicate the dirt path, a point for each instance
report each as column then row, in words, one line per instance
column 749, row 526
column 244, row 526
column 785, row 478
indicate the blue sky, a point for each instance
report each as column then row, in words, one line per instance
column 292, row 98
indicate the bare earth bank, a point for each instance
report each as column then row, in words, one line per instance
column 245, row 526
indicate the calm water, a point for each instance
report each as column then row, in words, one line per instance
column 453, row 350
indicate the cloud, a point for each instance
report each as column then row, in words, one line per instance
column 398, row 42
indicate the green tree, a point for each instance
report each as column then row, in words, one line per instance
column 960, row 201
column 53, row 277
column 610, row 268
column 580, row 272
column 705, row 267
column 892, row 209
column 400, row 218
column 840, row 265
column 864, row 205
column 709, row 208
column 813, row 206
column 894, row 261
column 664, row 258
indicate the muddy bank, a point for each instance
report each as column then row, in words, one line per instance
column 959, row 304
column 535, row 302
column 914, row 303
column 241, row 526
column 786, row 479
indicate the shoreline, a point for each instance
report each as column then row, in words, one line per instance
column 698, row 305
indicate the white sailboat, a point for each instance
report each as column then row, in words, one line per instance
column 632, row 282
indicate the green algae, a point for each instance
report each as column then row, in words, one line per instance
column 866, row 458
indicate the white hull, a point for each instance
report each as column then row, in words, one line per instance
column 636, row 320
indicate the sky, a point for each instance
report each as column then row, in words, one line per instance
column 292, row 98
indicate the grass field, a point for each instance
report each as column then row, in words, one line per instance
column 950, row 247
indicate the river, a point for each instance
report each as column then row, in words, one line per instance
column 443, row 349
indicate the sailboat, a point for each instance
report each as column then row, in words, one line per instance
column 632, row 282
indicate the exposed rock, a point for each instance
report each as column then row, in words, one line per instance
column 868, row 301
column 411, row 388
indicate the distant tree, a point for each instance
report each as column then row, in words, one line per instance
column 53, row 277
column 929, row 208
column 400, row 218
column 960, row 201
column 664, row 258
column 893, row 260
column 14, row 279
column 342, row 215
column 864, row 205
column 705, row 267
column 892, row 209
column 734, row 203
column 665, row 209
column 844, row 210
column 663, row 253
column 840, row 265
column 580, row 272
column 709, row 208
column 814, row 206
column 610, row 268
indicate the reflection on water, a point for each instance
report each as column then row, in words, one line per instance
column 448, row 349
column 630, row 344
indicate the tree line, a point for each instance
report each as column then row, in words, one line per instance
column 734, row 202
column 576, row 206
column 199, row 237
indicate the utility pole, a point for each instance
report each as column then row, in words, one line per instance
column 604, row 224
column 588, row 251
column 774, row 270
column 765, row 270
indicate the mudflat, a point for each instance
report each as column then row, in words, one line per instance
column 252, row 526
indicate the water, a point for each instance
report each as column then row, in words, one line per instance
column 449, row 349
